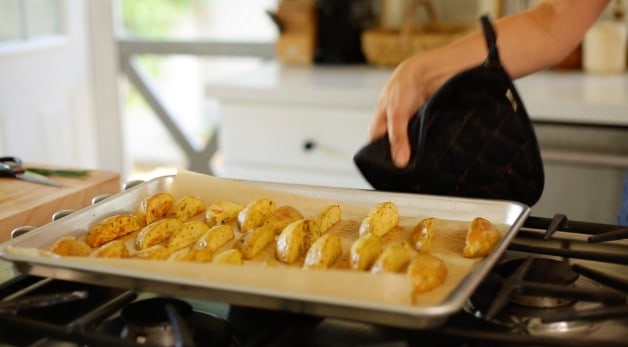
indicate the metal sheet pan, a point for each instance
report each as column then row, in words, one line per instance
column 172, row 279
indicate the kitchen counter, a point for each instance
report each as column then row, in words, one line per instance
column 555, row 96
column 28, row 204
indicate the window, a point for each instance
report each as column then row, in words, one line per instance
column 23, row 20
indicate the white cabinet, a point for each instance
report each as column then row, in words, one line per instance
column 297, row 125
column 292, row 144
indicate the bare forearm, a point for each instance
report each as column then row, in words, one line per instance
column 527, row 42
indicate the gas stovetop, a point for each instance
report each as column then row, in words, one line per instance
column 561, row 283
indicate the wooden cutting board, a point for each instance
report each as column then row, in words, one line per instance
column 29, row 204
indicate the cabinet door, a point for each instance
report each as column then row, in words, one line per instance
column 310, row 142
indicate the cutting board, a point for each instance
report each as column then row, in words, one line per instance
column 29, row 204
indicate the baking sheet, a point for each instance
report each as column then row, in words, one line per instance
column 264, row 283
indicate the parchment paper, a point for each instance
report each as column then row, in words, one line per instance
column 265, row 275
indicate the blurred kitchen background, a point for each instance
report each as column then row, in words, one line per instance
column 141, row 87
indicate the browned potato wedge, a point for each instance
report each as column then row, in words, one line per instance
column 157, row 252
column 187, row 235
column 230, row 256
column 380, row 220
column 156, row 233
column 422, row 235
column 324, row 252
column 199, row 255
column 111, row 228
column 312, row 233
column 364, row 251
column 154, row 207
column 281, row 217
column 255, row 214
column 427, row 272
column 113, row 249
column 253, row 242
column 222, row 212
column 216, row 237
column 328, row 217
column 291, row 242
column 393, row 258
column 160, row 252
column 187, row 208
column 481, row 238
column 71, row 246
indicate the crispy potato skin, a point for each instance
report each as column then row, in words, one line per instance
column 71, row 246
column 111, row 228
column 187, row 208
column 254, row 241
column 364, row 251
column 255, row 214
column 156, row 233
column 291, row 242
column 154, row 207
column 394, row 258
column 187, row 235
column 280, row 218
column 222, row 212
column 324, row 252
column 229, row 256
column 328, row 217
column 216, row 237
column 427, row 272
column 380, row 219
column 422, row 235
column 113, row 249
column 481, row 238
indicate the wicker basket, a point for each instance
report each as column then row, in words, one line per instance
column 390, row 47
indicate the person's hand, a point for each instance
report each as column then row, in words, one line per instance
column 402, row 96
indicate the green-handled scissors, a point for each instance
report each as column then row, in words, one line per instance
column 13, row 167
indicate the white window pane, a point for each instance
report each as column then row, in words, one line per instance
column 233, row 20
column 10, row 20
column 42, row 17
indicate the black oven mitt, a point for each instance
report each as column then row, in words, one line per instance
column 472, row 138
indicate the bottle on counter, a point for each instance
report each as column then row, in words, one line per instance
column 604, row 45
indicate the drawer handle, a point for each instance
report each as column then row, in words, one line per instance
column 309, row 145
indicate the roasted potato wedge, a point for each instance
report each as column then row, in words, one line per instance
column 255, row 214
column 394, row 258
column 324, row 252
column 222, row 212
column 157, row 232
column 328, row 217
column 111, row 228
column 113, row 249
column 216, row 237
column 187, row 207
column 157, row 252
column 154, row 207
column 281, row 217
column 71, row 246
column 482, row 236
column 254, row 241
column 187, row 235
column 427, row 272
column 291, row 242
column 380, row 219
column 364, row 251
column 199, row 255
column 229, row 256
column 422, row 235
